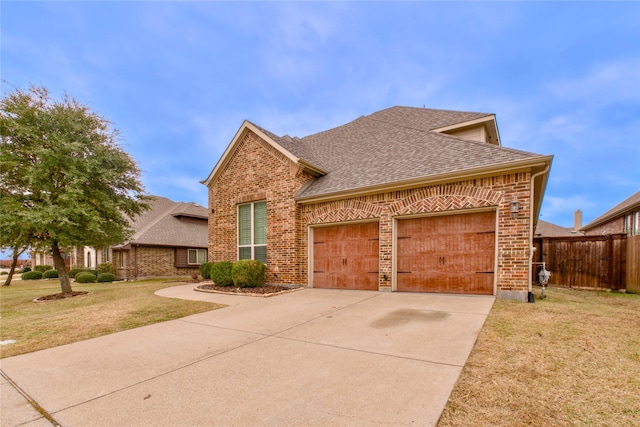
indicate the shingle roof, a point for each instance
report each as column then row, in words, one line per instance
column 161, row 225
column 620, row 209
column 547, row 229
column 394, row 145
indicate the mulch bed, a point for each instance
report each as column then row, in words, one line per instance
column 60, row 296
column 264, row 291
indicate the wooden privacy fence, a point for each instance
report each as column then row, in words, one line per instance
column 633, row 264
column 585, row 262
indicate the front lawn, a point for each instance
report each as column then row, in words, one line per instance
column 108, row 308
column 572, row 359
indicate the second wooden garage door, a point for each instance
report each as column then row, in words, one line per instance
column 449, row 254
column 346, row 256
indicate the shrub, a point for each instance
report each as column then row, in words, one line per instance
column 220, row 273
column 106, row 277
column 26, row 269
column 4, row 273
column 205, row 270
column 105, row 267
column 85, row 277
column 74, row 271
column 42, row 268
column 248, row 273
column 32, row 275
column 50, row 274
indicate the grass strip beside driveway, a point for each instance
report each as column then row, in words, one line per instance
column 108, row 308
column 572, row 359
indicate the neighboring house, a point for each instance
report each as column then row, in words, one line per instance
column 81, row 256
column 623, row 218
column 404, row 199
column 547, row 229
column 170, row 239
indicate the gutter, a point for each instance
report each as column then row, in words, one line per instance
column 531, row 248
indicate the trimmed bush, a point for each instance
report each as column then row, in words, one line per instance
column 26, row 269
column 31, row 275
column 74, row 271
column 42, row 268
column 50, row 274
column 205, row 269
column 85, row 277
column 220, row 273
column 106, row 277
column 248, row 273
column 105, row 267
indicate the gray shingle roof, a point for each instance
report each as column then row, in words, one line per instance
column 547, row 229
column 393, row 145
column 161, row 225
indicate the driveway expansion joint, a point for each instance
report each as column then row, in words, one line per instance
column 30, row 400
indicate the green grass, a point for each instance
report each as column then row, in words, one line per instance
column 108, row 308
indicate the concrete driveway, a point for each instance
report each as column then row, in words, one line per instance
column 310, row 357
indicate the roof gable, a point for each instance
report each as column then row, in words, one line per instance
column 279, row 143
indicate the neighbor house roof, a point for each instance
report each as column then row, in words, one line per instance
column 547, row 229
column 164, row 225
column 629, row 205
column 393, row 148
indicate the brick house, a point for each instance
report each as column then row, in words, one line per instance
column 624, row 218
column 170, row 239
column 404, row 199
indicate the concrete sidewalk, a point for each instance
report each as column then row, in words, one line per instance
column 311, row 357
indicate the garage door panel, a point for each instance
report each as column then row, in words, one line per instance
column 452, row 254
column 346, row 256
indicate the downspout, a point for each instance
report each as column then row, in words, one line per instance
column 531, row 248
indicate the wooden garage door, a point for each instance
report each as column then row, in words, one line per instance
column 451, row 254
column 346, row 256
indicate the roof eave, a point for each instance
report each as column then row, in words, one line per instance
column 519, row 166
column 608, row 217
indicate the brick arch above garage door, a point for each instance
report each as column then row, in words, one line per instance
column 446, row 253
column 446, row 198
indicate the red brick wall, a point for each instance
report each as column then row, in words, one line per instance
column 491, row 193
column 150, row 261
column 614, row 226
column 255, row 172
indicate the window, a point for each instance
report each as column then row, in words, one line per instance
column 120, row 259
column 196, row 256
column 632, row 224
column 89, row 259
column 106, row 255
column 252, row 231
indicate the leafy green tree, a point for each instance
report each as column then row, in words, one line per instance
column 64, row 179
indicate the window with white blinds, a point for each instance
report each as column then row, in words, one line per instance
column 252, row 231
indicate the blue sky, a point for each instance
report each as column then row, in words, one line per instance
column 178, row 78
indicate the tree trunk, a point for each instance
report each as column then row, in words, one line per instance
column 58, row 261
column 14, row 262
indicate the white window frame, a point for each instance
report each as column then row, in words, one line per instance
column 251, row 245
column 200, row 256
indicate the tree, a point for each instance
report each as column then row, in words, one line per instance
column 65, row 181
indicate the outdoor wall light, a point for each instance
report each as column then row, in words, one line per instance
column 514, row 207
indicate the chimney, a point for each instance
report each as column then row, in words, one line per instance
column 577, row 220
